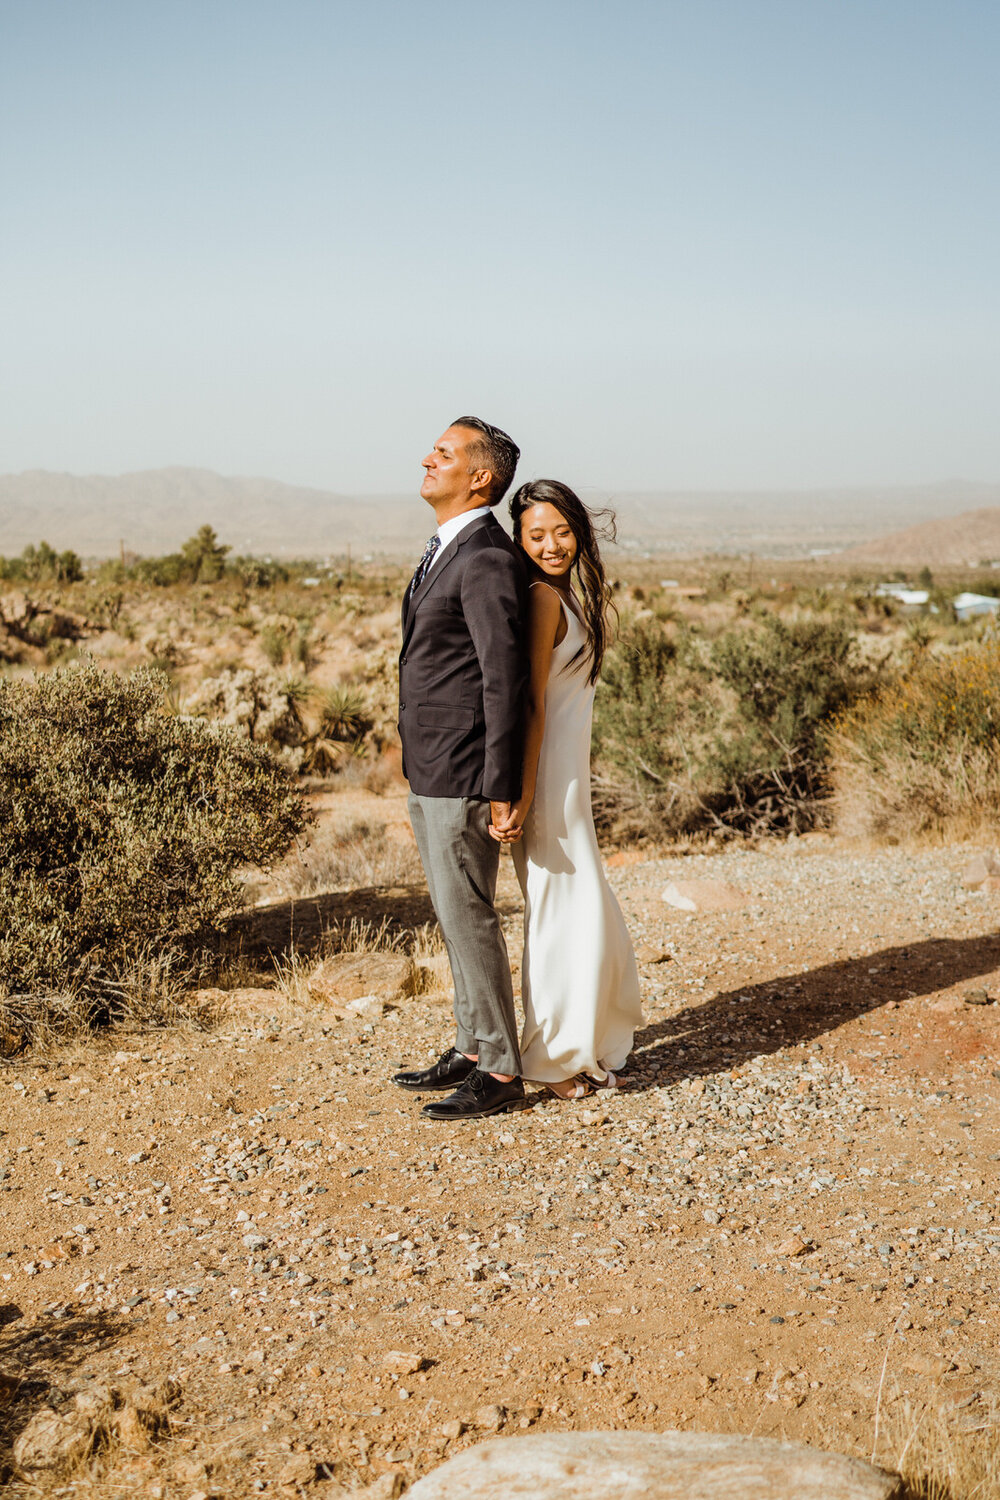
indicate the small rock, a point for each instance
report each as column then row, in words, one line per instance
column 300, row 1469
column 490, row 1418
column 978, row 997
column 402, row 1363
column 98, row 1402
column 979, row 870
column 368, row 1007
column 191, row 1471
column 388, row 1487
column 934, row 1365
column 703, row 895
column 453, row 1430
column 793, row 1246
column 645, row 953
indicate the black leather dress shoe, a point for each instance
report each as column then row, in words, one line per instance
column 451, row 1069
column 479, row 1095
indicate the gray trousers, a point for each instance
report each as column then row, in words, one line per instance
column 461, row 863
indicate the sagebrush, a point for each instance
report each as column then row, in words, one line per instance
column 730, row 733
column 122, row 826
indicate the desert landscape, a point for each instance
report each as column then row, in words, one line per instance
column 237, row 1261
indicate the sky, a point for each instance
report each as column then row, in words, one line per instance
column 666, row 244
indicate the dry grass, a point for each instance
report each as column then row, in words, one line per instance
column 905, row 795
column 941, row 1454
column 920, row 755
column 346, row 856
column 152, row 988
column 293, row 971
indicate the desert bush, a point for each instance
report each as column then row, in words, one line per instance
column 264, row 708
column 646, row 723
column 768, row 767
column 921, row 755
column 122, row 827
column 274, row 644
column 258, row 572
column 729, row 734
column 42, row 564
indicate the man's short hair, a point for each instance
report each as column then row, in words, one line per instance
column 492, row 450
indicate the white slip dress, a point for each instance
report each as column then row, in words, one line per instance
column 579, row 981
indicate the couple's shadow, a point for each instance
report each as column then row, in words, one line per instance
column 756, row 1020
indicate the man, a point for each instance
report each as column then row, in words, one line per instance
column 461, row 683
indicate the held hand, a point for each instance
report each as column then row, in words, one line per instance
column 499, row 820
column 508, row 827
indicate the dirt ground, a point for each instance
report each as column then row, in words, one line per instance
column 785, row 1219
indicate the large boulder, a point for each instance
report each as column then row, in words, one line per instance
column 653, row 1466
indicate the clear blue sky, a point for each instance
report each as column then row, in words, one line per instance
column 666, row 243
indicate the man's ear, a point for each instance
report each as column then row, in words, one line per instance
column 481, row 483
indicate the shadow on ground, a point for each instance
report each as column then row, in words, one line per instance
column 271, row 931
column 35, row 1362
column 754, row 1020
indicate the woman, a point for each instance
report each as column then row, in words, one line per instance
column 579, row 983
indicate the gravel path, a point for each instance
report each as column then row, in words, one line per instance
column 797, row 1184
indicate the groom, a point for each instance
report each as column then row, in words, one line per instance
column 462, row 675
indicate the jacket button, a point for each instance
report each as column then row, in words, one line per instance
column 401, row 707
column 402, row 661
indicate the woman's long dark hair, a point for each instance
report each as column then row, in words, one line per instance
column 586, row 525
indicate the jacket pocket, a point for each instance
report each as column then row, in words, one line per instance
column 445, row 716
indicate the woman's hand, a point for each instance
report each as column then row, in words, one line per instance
column 508, row 828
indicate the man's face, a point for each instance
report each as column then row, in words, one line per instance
column 447, row 481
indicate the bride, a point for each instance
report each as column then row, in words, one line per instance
column 579, row 982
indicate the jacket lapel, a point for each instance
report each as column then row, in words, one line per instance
column 447, row 556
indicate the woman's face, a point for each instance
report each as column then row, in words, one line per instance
column 548, row 539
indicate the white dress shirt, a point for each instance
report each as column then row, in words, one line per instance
column 449, row 530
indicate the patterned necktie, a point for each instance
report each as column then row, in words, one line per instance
column 424, row 565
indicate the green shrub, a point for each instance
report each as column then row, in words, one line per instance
column 786, row 679
column 274, row 644
column 122, row 826
column 728, row 735
column 923, row 754
column 42, row 564
column 647, row 731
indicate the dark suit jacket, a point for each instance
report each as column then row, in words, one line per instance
column 462, row 669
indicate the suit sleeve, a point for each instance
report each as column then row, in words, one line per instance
column 493, row 605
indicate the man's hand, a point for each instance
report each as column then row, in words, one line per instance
column 502, row 823
column 506, row 820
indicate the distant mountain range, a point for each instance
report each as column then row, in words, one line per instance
column 153, row 511
column 951, row 541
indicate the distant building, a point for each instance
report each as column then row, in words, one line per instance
column 907, row 599
column 969, row 606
